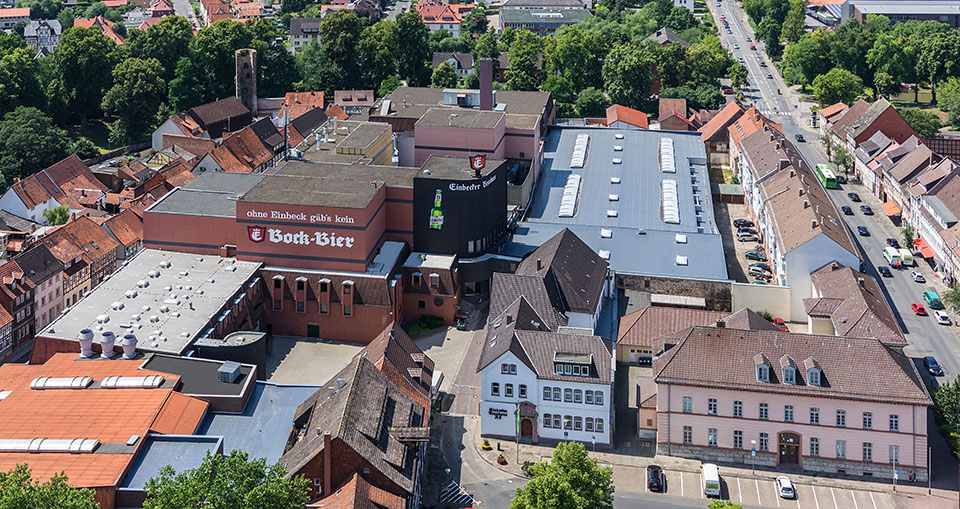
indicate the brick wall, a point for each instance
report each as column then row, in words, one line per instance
column 345, row 462
column 716, row 293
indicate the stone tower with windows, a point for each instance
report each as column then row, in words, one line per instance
column 246, row 79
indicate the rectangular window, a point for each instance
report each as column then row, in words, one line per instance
column 589, row 424
column 687, row 404
column 712, row 437
column 738, row 439
column 508, row 390
column 577, row 423
column 598, row 397
column 523, row 391
column 300, row 306
column 788, row 413
column 277, row 304
column 323, row 287
column 347, row 309
column 347, row 289
column 867, row 420
column 495, row 389
column 712, row 406
column 578, row 396
column 764, row 412
column 738, row 408
column 567, row 369
column 688, row 434
column 299, row 286
column 764, row 444
column 576, row 370
column 894, row 422
column 841, row 449
column 867, row 451
column 814, row 446
column 513, row 369
column 568, row 395
column 547, row 423
column 894, row 454
column 567, row 422
column 276, row 283
column 599, row 426
column 546, row 394
column 416, row 280
column 841, row 418
column 556, row 421
column 504, row 368
column 323, row 308
column 559, row 369
column 556, row 394
column 814, row 416
column 421, row 304
column 589, row 399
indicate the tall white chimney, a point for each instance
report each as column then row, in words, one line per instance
column 86, row 342
column 129, row 345
column 107, row 339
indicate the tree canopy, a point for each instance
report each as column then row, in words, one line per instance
column 19, row 489
column 837, row 85
column 571, row 479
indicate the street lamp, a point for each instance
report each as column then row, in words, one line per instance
column 753, row 456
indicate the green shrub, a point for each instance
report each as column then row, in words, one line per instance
column 431, row 322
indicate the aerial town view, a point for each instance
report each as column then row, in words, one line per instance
column 526, row 254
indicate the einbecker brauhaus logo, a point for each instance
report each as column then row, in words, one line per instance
column 256, row 233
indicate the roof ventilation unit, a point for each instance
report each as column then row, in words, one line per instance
column 132, row 382
column 604, row 254
column 571, row 191
column 618, row 136
column 129, row 345
column 86, row 343
column 47, row 382
column 613, row 197
column 617, row 160
column 107, row 340
column 611, row 213
column 681, row 260
column 681, row 238
column 164, row 264
column 667, row 162
column 228, row 372
column 49, row 445
column 614, row 180
column 116, row 306
column 617, row 148
column 606, row 233
column 153, row 274
column 579, row 156
column 669, row 202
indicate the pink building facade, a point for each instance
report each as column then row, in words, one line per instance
column 459, row 133
column 799, row 399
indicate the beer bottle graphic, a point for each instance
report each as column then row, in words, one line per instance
column 436, row 214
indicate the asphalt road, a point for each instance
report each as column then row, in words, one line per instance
column 397, row 9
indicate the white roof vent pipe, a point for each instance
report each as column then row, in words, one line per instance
column 86, row 343
column 153, row 274
column 129, row 345
column 165, row 264
column 143, row 283
column 116, row 306
column 107, row 340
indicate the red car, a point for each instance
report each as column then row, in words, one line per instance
column 753, row 46
column 780, row 324
column 918, row 309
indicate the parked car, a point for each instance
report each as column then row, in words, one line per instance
column 785, row 487
column 727, row 90
column 941, row 317
column 748, row 39
column 799, row 138
column 741, row 60
column 847, row 211
column 736, row 46
column 753, row 47
column 742, row 222
column 780, row 324
column 769, row 76
column 840, row 178
column 854, row 197
column 753, row 255
column 747, row 229
column 884, row 271
column 867, row 211
column 933, row 367
column 893, row 243
column 762, row 266
column 862, row 231
column 746, row 237
column 918, row 277
column 763, row 63
column 654, row 478
column 918, row 309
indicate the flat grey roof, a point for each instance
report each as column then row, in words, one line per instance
column 210, row 194
column 639, row 241
column 362, row 134
column 461, row 117
column 942, row 210
column 218, row 278
column 544, row 15
column 397, row 176
column 182, row 452
column 318, row 191
column 264, row 425
column 199, row 376
column 454, row 168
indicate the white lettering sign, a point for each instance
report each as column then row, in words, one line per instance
column 473, row 187
column 322, row 239
column 300, row 216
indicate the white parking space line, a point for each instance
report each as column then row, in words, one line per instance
column 834, row 495
column 815, row 501
column 757, row 483
column 855, row 505
column 701, row 485
column 739, row 491
column 872, row 500
column 776, row 492
column 681, row 484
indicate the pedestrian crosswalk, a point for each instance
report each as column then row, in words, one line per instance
column 771, row 113
column 452, row 495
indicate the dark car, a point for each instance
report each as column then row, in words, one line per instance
column 841, row 179
column 746, row 229
column 854, row 197
column 799, row 138
column 742, row 222
column 884, row 271
column 847, row 211
column 893, row 243
column 933, row 367
column 862, row 230
column 654, row 478
column 867, row 211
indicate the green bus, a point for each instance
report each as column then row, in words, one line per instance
column 826, row 176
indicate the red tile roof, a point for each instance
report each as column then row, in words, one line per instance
column 627, row 115
column 334, row 111
column 180, row 415
column 832, row 110
column 643, row 325
column 241, row 152
column 727, row 115
column 357, row 493
column 298, row 103
column 105, row 26
column 19, row 12
column 437, row 13
column 750, row 122
column 126, row 226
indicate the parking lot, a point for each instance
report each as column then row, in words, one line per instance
column 738, row 266
column 763, row 493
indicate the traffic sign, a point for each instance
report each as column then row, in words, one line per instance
column 896, row 474
column 753, row 451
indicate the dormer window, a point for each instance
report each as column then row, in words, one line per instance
column 813, row 376
column 762, row 367
column 789, row 375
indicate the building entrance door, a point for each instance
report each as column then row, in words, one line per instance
column 526, row 429
column 313, row 331
column 789, row 449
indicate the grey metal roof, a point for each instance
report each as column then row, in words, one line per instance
column 889, row 7
column 263, row 427
column 183, row 452
column 544, row 16
column 655, row 250
column 940, row 208
column 210, row 194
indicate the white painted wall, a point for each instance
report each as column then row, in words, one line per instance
column 807, row 258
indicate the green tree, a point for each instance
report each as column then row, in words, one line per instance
column 84, row 148
column 591, row 103
column 57, row 215
column 723, row 504
column 413, row 50
column 66, row 18
column 769, row 32
column 487, row 46
column 946, row 399
column 277, row 71
column 661, row 10
column 444, row 76
column 168, row 41
column 29, row 142
column 938, row 59
column 755, row 9
column 572, row 479
column 19, row 27
column 842, row 158
column 908, row 233
column 523, row 73
column 560, row 88
column 19, row 85
column 84, row 61
column 849, row 46
column 292, row 6
column 793, row 24
column 340, row 42
column 926, row 123
column 135, row 97
column 671, row 64
column 951, row 297
column 884, row 84
column 627, row 76
column 707, row 61
column 213, row 52
column 948, row 98
column 738, row 75
column 227, row 481
column 184, row 91
column 704, row 96
column 837, row 85
column 378, row 44
column 388, row 85
column 475, row 22
column 41, row 9
column 680, row 19
column 575, row 55
column 315, row 72
column 19, row 489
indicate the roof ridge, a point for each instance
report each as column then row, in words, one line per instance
column 349, row 399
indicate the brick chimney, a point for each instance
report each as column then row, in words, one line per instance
column 486, row 84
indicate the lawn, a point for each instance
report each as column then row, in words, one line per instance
column 97, row 131
column 924, row 96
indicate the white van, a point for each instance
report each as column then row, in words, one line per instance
column 711, row 479
column 906, row 257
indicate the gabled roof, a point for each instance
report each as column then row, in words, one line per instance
column 126, row 227
column 437, row 13
column 306, row 124
column 298, row 103
column 85, row 235
column 643, row 325
column 832, row 110
column 31, row 29
column 241, row 152
column 58, row 182
column 666, row 36
column 721, row 121
column 267, row 132
column 747, row 319
column 464, row 60
column 506, row 288
column 38, row 264
column 357, row 493
column 218, row 111
column 849, row 117
column 914, row 162
column 872, row 146
column 105, row 26
column 626, row 115
column 334, row 111
column 573, row 273
column 748, row 123
column 897, row 130
column 670, row 106
column 394, row 350
column 852, row 368
column 500, row 338
column 347, row 98
column 862, row 310
column 301, row 26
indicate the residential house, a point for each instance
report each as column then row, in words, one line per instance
column 687, row 4
column 937, row 210
column 437, row 16
column 827, row 404
column 353, row 102
column 305, row 125
column 673, row 115
column 298, row 103
column 251, row 150
column 104, row 25
column 45, row 274
column 431, row 287
column 57, row 185
column 716, row 137
column 11, row 16
column 849, row 303
column 16, row 298
column 209, row 120
column 42, row 34
column 880, row 116
column 127, row 229
column 897, row 177
column 94, row 245
column 6, row 333
column 160, row 8
column 395, row 354
column 867, row 152
column 639, row 328
column 76, row 268
column 622, row 117
column 838, row 127
column 303, row 31
column 827, row 116
column 664, row 37
column 461, row 62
